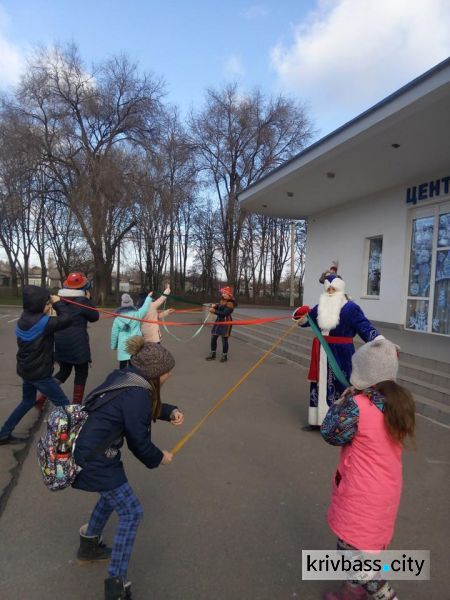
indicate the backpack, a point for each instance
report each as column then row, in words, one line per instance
column 56, row 447
column 59, row 468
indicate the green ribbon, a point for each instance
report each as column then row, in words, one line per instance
column 331, row 358
column 180, row 298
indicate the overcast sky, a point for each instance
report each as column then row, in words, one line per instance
column 340, row 56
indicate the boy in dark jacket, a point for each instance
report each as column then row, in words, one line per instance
column 35, row 339
column 134, row 403
column 72, row 349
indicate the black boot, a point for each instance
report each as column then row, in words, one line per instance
column 92, row 548
column 117, row 589
column 224, row 358
column 212, row 356
column 311, row 428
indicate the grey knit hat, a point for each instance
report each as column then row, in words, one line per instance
column 151, row 358
column 374, row 362
column 127, row 300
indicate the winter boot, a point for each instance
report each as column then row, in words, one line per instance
column 347, row 592
column 40, row 402
column 92, row 548
column 212, row 356
column 224, row 358
column 117, row 589
column 78, row 393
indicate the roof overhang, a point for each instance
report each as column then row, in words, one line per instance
column 362, row 157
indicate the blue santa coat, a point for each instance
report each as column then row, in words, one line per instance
column 352, row 322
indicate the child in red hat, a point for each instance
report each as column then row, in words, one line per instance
column 222, row 327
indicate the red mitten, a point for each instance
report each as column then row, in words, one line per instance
column 300, row 312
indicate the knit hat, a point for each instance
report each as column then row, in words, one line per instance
column 127, row 300
column 374, row 362
column 226, row 291
column 152, row 359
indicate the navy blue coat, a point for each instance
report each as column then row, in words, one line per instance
column 129, row 415
column 72, row 345
column 223, row 312
column 35, row 333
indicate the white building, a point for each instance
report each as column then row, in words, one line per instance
column 376, row 195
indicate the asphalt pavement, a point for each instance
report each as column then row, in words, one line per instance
column 227, row 520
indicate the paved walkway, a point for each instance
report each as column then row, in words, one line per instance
column 228, row 518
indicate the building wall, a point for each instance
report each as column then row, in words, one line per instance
column 340, row 234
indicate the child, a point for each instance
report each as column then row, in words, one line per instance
column 72, row 349
column 371, row 424
column 127, row 415
column 35, row 339
column 151, row 331
column 223, row 311
column 123, row 329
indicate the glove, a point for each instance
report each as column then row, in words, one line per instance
column 301, row 312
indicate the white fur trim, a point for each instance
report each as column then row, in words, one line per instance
column 323, row 372
column 338, row 284
column 313, row 414
column 66, row 293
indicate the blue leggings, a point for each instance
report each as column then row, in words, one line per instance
column 47, row 386
column 125, row 503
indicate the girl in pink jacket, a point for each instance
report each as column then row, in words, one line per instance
column 371, row 423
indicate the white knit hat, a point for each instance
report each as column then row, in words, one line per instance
column 374, row 362
column 127, row 300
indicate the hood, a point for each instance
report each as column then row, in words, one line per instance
column 35, row 298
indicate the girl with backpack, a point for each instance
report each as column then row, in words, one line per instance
column 134, row 405
column 371, row 423
column 123, row 329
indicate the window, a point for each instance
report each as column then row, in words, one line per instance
column 374, row 251
column 428, row 303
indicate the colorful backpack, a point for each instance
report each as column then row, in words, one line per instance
column 55, row 448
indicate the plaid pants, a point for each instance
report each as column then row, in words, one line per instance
column 375, row 587
column 129, row 509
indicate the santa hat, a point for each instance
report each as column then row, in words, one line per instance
column 334, row 280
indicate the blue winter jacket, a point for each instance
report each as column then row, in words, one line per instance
column 124, row 328
column 127, row 416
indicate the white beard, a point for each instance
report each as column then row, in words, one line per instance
column 329, row 310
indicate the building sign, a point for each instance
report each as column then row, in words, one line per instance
column 428, row 191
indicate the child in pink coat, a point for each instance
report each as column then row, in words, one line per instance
column 151, row 331
column 370, row 422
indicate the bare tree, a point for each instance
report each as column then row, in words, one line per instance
column 86, row 123
column 238, row 139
